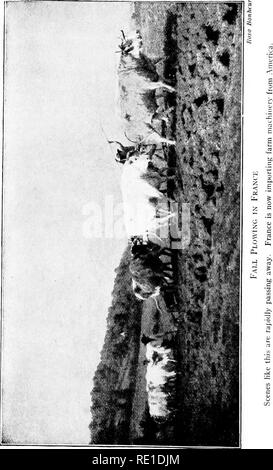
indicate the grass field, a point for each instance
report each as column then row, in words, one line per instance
column 202, row 49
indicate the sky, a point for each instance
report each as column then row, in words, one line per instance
column 60, row 100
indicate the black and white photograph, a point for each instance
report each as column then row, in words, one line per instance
column 122, row 223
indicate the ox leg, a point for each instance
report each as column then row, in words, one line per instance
column 163, row 211
column 168, row 267
column 163, row 140
column 166, row 251
column 165, row 192
column 156, row 139
column 168, row 274
column 168, row 178
column 160, row 157
column 168, row 280
column 169, row 88
column 160, row 84
column 164, row 219
column 156, row 236
column 167, row 141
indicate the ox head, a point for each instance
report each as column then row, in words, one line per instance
column 121, row 156
column 140, row 161
column 121, row 150
column 129, row 44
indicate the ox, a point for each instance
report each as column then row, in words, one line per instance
column 161, row 376
column 138, row 81
column 149, row 272
column 142, row 214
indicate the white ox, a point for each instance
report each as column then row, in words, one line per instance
column 160, row 380
column 142, row 214
column 138, row 80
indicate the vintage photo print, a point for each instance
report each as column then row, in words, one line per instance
column 122, row 207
